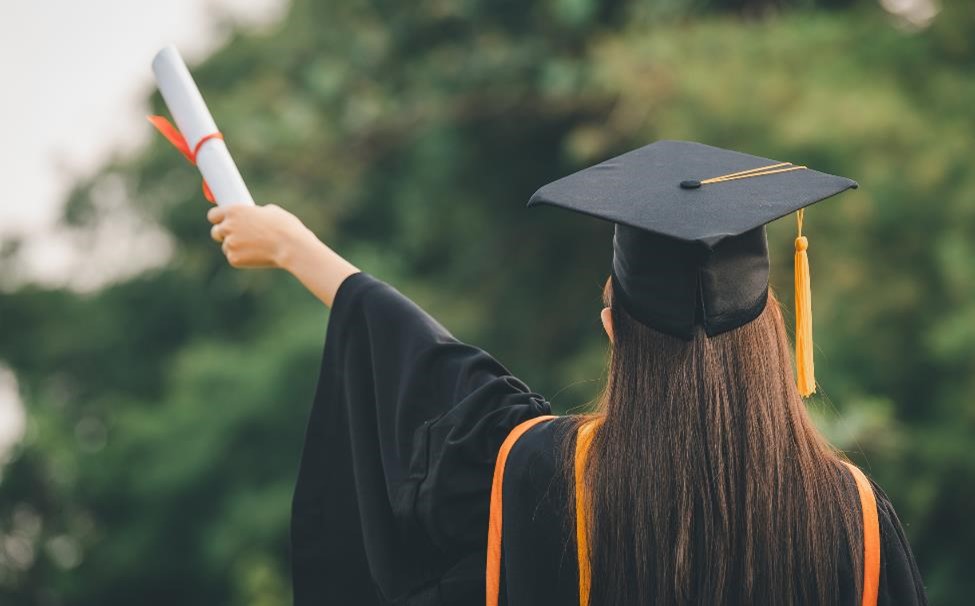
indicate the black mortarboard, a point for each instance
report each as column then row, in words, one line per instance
column 689, row 248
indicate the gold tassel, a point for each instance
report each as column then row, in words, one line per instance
column 805, row 373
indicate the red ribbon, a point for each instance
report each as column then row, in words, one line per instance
column 175, row 137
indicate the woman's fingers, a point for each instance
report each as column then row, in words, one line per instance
column 258, row 233
column 235, row 256
column 216, row 214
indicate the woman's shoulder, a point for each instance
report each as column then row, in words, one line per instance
column 537, row 457
column 545, row 436
column 900, row 579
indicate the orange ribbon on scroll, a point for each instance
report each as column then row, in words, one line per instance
column 175, row 137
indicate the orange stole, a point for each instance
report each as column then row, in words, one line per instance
column 868, row 503
column 871, row 537
column 583, row 441
column 493, row 573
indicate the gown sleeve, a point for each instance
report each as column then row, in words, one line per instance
column 900, row 579
column 391, row 501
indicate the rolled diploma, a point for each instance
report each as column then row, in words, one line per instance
column 193, row 119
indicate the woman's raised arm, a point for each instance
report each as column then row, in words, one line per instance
column 270, row 236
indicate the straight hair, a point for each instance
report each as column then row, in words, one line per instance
column 708, row 482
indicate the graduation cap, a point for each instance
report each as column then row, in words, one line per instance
column 689, row 248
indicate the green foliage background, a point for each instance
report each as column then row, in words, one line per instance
column 167, row 410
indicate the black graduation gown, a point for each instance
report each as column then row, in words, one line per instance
column 539, row 563
column 391, row 503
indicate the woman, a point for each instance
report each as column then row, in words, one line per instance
column 699, row 479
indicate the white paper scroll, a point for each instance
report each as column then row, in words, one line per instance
column 193, row 119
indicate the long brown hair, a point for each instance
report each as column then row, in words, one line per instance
column 709, row 483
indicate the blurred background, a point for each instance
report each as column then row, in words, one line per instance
column 153, row 399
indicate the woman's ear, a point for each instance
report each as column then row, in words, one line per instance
column 606, row 315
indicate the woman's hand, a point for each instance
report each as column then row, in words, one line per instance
column 269, row 236
column 255, row 236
